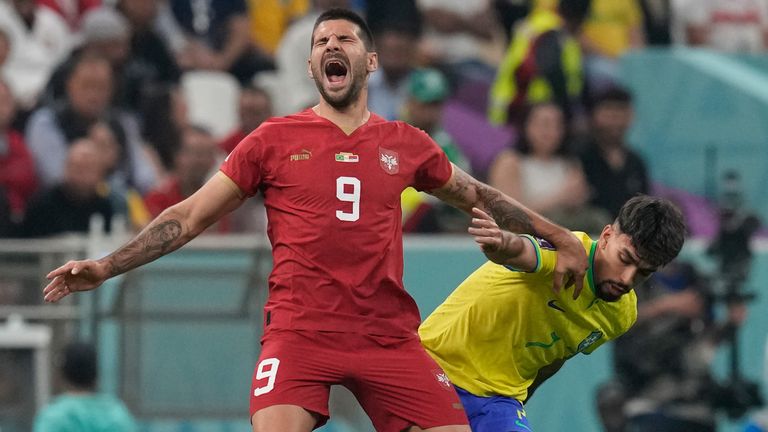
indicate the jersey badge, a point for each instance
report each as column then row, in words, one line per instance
column 346, row 157
column 442, row 378
column 389, row 161
column 589, row 340
column 304, row 154
column 543, row 244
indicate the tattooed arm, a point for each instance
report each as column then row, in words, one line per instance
column 173, row 228
column 465, row 192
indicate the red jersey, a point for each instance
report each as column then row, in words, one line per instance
column 333, row 210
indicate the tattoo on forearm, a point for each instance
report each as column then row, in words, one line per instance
column 150, row 244
column 506, row 214
column 465, row 192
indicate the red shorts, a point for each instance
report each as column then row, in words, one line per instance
column 396, row 382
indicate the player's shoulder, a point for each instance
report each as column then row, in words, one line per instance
column 628, row 316
column 394, row 126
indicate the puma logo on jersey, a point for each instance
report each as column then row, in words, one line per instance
column 303, row 155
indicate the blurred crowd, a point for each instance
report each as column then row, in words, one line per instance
column 96, row 96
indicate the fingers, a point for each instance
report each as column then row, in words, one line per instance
column 66, row 268
column 56, row 290
column 557, row 283
column 578, row 285
column 477, row 212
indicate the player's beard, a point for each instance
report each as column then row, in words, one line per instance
column 605, row 292
column 344, row 99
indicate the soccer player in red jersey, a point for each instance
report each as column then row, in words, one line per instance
column 337, row 313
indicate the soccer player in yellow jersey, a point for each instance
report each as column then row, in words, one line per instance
column 504, row 331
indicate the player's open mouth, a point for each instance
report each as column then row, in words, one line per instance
column 336, row 72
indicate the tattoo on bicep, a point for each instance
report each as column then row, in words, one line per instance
column 506, row 214
column 153, row 243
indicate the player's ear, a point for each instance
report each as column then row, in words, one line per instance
column 309, row 69
column 372, row 62
column 607, row 232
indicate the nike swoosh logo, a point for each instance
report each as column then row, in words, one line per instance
column 553, row 305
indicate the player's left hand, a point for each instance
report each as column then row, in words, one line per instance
column 571, row 264
column 492, row 239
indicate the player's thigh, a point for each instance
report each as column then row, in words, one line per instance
column 401, row 386
column 292, row 371
column 285, row 418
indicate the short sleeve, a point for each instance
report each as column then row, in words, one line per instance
column 546, row 254
column 435, row 169
column 244, row 165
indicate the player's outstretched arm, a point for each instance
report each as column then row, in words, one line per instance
column 173, row 228
column 465, row 192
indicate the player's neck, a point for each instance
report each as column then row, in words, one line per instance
column 348, row 119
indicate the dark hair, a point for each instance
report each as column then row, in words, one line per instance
column 615, row 95
column 655, row 226
column 79, row 365
column 523, row 145
column 347, row 15
column 574, row 11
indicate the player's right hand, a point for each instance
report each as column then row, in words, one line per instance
column 74, row 276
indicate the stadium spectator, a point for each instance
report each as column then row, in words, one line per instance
column 298, row 91
column 497, row 364
column 427, row 90
column 81, row 408
column 381, row 14
column 612, row 28
column 193, row 164
column 539, row 171
column 730, row 26
column 337, row 303
column 269, row 19
column 151, row 64
column 165, row 117
column 388, row 86
column 72, row 11
column 614, row 172
column 510, row 12
column 87, row 101
column 125, row 199
column 214, row 35
column 254, row 108
column 17, row 170
column 106, row 34
column 69, row 205
column 542, row 64
column 39, row 40
column 663, row 364
column 657, row 20
column 462, row 35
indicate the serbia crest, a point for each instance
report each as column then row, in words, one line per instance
column 389, row 161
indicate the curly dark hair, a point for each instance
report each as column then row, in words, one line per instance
column 656, row 227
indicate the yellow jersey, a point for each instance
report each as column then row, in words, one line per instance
column 500, row 326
